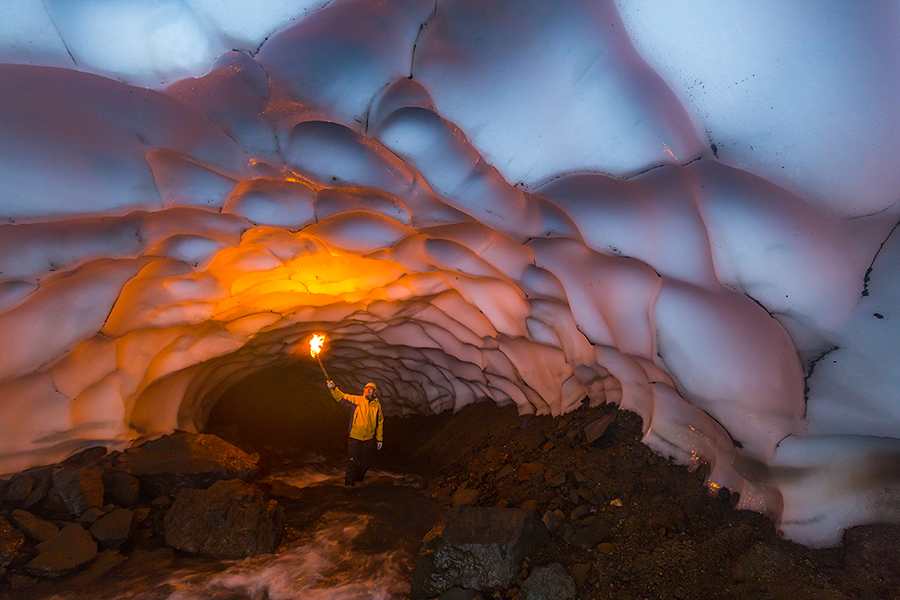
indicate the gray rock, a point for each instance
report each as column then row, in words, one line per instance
column 548, row 583
column 69, row 549
column 230, row 519
column 33, row 527
column 186, row 460
column 121, row 489
column 79, row 488
column 12, row 542
column 115, row 528
column 476, row 548
column 29, row 487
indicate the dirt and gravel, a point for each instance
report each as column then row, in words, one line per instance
column 626, row 522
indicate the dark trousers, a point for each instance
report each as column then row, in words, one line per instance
column 359, row 457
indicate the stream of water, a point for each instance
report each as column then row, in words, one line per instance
column 347, row 543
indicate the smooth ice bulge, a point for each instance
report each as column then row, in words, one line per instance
column 473, row 202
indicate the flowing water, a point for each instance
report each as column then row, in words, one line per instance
column 348, row 543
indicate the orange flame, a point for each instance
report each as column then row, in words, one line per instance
column 315, row 345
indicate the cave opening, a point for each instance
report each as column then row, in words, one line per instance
column 283, row 407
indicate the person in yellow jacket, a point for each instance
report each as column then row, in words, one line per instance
column 366, row 428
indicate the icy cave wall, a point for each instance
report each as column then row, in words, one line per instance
column 686, row 209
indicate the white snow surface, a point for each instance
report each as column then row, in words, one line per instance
column 688, row 211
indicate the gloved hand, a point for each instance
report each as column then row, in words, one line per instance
column 378, row 445
column 330, row 384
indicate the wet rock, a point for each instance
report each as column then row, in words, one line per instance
column 112, row 530
column 105, row 561
column 12, row 542
column 476, row 548
column 69, row 549
column 121, row 489
column 186, row 460
column 33, row 527
column 29, row 487
column 79, row 489
column 548, row 583
column 230, row 519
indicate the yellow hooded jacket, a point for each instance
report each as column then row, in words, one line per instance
column 366, row 419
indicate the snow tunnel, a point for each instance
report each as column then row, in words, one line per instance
column 689, row 212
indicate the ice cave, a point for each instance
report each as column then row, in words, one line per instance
column 684, row 209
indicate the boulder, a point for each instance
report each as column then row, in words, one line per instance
column 12, row 542
column 230, row 519
column 33, row 527
column 78, row 488
column 114, row 528
column 69, row 549
column 29, row 487
column 86, row 457
column 184, row 460
column 475, row 548
column 548, row 583
column 121, row 489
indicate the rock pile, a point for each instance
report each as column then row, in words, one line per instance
column 623, row 522
column 88, row 512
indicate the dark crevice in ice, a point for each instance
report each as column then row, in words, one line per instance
column 809, row 373
column 412, row 60
column 865, row 290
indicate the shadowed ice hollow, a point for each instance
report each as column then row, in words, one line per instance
column 685, row 211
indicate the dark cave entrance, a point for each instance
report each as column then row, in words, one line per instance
column 281, row 407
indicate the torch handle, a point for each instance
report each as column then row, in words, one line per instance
column 324, row 372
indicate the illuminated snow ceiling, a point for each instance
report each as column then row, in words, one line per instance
column 684, row 209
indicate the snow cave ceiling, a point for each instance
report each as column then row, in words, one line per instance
column 687, row 209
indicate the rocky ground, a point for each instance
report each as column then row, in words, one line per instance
column 621, row 521
column 625, row 522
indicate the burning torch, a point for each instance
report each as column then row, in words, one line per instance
column 315, row 347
